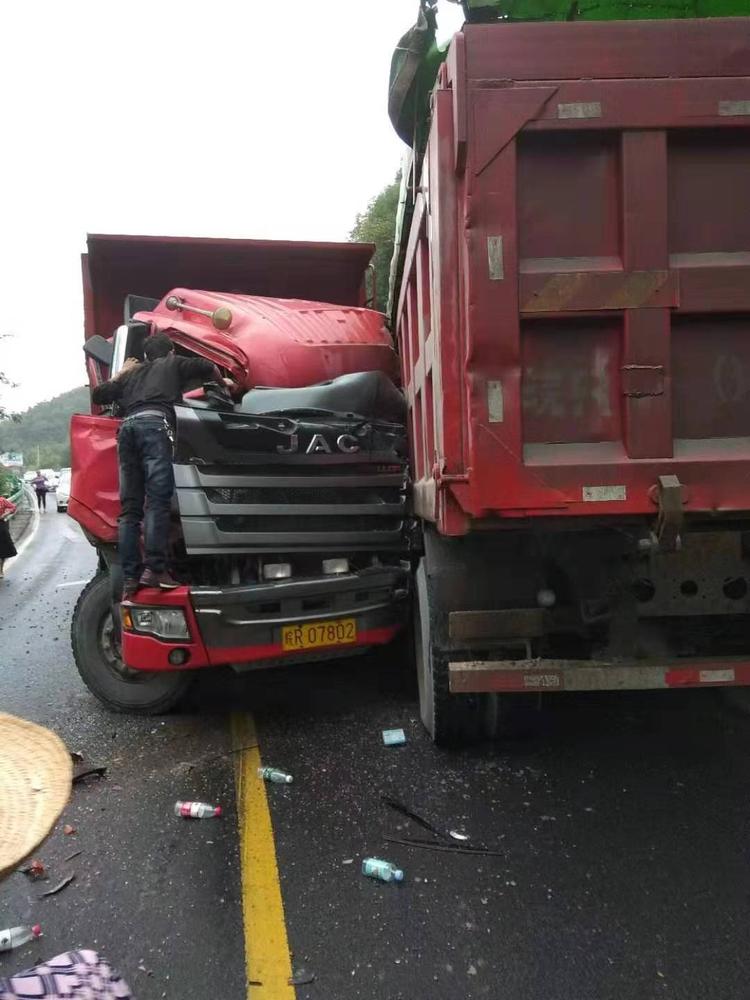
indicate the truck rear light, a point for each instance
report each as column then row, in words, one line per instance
column 277, row 571
column 332, row 567
column 165, row 623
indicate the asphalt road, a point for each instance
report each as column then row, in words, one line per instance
column 620, row 828
column 157, row 895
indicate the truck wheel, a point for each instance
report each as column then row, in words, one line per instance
column 458, row 719
column 96, row 650
column 450, row 719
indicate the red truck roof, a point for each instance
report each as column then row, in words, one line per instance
column 574, row 317
column 115, row 266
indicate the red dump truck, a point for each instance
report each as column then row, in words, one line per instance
column 290, row 531
column 573, row 320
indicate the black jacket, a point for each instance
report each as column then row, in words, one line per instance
column 155, row 385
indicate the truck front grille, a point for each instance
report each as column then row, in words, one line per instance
column 313, row 523
column 304, row 506
column 306, row 494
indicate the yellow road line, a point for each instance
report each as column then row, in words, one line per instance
column 266, row 946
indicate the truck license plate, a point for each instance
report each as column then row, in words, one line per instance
column 313, row 635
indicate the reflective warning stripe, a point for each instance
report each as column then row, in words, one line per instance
column 586, row 675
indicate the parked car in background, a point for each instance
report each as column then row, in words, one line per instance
column 63, row 490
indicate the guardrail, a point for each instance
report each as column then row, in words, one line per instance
column 23, row 518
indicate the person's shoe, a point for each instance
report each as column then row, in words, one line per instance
column 130, row 589
column 161, row 580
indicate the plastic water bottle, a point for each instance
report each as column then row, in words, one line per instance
column 14, row 937
column 384, row 870
column 274, row 775
column 196, row 810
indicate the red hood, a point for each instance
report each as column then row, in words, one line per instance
column 279, row 342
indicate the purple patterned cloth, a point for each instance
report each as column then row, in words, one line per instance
column 76, row 975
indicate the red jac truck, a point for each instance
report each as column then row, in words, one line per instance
column 573, row 320
column 289, row 528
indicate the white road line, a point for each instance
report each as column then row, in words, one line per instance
column 71, row 583
column 10, row 564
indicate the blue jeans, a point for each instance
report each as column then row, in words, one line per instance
column 144, row 449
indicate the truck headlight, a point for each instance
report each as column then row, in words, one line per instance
column 166, row 623
column 277, row 571
column 333, row 567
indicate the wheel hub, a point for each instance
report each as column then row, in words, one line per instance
column 111, row 650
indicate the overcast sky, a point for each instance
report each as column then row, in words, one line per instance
column 258, row 119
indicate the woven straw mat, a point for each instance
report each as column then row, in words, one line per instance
column 35, row 781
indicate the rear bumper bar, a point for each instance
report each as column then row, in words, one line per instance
column 471, row 677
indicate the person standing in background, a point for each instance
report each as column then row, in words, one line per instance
column 7, row 548
column 40, row 488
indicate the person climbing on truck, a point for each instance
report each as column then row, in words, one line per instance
column 145, row 393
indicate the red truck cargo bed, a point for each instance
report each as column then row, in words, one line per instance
column 115, row 266
column 574, row 318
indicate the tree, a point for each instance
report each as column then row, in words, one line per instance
column 41, row 432
column 377, row 224
column 6, row 383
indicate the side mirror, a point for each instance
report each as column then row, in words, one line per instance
column 138, row 303
column 99, row 349
column 137, row 333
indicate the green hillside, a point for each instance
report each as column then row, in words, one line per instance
column 44, row 427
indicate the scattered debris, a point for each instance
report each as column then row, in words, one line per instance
column 443, row 835
column 399, row 807
column 301, row 978
column 383, row 870
column 69, row 830
column 348, row 861
column 98, row 772
column 275, row 776
column 428, row 845
column 71, row 856
column 196, row 810
column 35, row 870
column 59, row 887
column 14, row 937
column 76, row 757
column 394, row 737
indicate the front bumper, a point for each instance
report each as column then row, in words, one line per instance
column 243, row 625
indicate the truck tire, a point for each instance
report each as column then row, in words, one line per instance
column 451, row 720
column 97, row 654
column 457, row 720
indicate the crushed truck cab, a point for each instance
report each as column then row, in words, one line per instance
column 290, row 529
